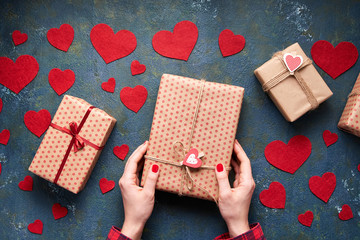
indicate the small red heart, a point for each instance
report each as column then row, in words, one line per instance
column 358, row 167
column 59, row 211
column 26, row 184
column 1, row 104
column 36, row 227
column 274, row 197
column 324, row 186
column 329, row 138
column 346, row 213
column 191, row 159
column 133, row 98
column 106, row 185
column 4, row 137
column 61, row 38
column 230, row 43
column 179, row 44
column 121, row 151
column 306, row 219
column 61, row 81
column 37, row 122
column 109, row 86
column 292, row 62
column 0, row 168
column 137, row 68
column 18, row 37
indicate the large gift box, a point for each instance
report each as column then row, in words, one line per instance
column 193, row 120
column 72, row 144
column 350, row 118
column 292, row 82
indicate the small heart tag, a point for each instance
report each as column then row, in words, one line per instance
column 292, row 62
column 192, row 159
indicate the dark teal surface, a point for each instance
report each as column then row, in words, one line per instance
column 268, row 26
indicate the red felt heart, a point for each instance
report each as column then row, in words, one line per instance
column 37, row 122
column 292, row 62
column 137, row 68
column 59, row 211
column 106, row 185
column 358, row 167
column 133, row 98
column 109, row 86
column 26, row 184
column 191, row 159
column 179, row 44
column 61, row 38
column 323, row 186
column 288, row 157
column 1, row 104
column 334, row 61
column 4, row 137
column 274, row 197
column 329, row 138
column 36, row 227
column 112, row 46
column 121, row 151
column 18, row 37
column 0, row 168
column 346, row 213
column 61, row 81
column 230, row 43
column 16, row 76
column 306, row 219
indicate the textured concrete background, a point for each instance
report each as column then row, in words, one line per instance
column 268, row 26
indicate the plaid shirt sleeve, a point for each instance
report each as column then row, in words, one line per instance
column 115, row 234
column 255, row 233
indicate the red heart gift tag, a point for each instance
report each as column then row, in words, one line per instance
column 324, row 186
column 61, row 38
column 26, row 184
column 37, row 122
column 112, row 46
column 329, row 138
column 15, row 76
column 59, row 211
column 334, row 61
column 346, row 213
column 121, row 151
column 109, row 86
column 177, row 44
column 106, row 185
column 36, row 227
column 288, row 157
column 306, row 219
column 292, row 62
column 230, row 43
column 18, row 37
column 192, row 159
column 274, row 197
column 137, row 68
column 133, row 98
column 4, row 137
column 61, row 81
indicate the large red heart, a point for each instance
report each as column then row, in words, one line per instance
column 18, row 37
column 109, row 86
column 106, row 185
column 334, row 61
column 329, row 138
column 1, row 104
column 274, row 197
column 179, row 44
column 59, row 211
column 61, row 81
column 61, row 38
column 324, row 186
column 112, row 46
column 26, row 184
column 191, row 159
column 121, row 151
column 288, row 157
column 37, row 122
column 346, row 213
column 133, row 98
column 16, row 76
column 230, row 43
column 137, row 68
column 36, row 227
column 306, row 219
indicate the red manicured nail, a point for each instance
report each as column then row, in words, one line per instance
column 219, row 167
column 155, row 168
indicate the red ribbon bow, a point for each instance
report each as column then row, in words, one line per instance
column 79, row 141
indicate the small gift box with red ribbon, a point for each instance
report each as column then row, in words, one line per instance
column 72, row 144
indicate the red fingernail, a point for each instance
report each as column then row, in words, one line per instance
column 219, row 167
column 155, row 168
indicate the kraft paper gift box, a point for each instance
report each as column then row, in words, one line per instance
column 72, row 144
column 190, row 114
column 292, row 82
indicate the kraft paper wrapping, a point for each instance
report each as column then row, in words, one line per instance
column 214, row 132
column 288, row 96
column 53, row 147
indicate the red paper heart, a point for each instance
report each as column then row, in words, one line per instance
column 106, row 185
column 274, row 197
column 137, row 68
column 61, row 38
column 346, row 213
column 109, row 86
column 121, row 151
column 4, row 137
column 16, row 76
column 112, row 46
column 306, row 219
column 26, row 184
column 133, row 98
column 1, row 105
column 230, row 43
column 37, row 122
column 329, row 138
column 18, row 37
column 191, row 159
column 292, row 62
column 36, row 227
column 0, row 168
column 59, row 211
column 288, row 157
column 324, row 186
column 334, row 61
column 61, row 81
column 358, row 167
column 179, row 44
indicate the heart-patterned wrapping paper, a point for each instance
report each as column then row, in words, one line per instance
column 214, row 132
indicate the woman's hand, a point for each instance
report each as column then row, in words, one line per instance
column 234, row 203
column 138, row 202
